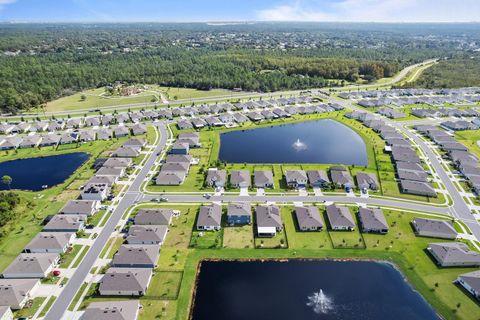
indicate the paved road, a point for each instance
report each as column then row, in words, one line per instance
column 80, row 112
column 459, row 209
column 63, row 301
column 292, row 198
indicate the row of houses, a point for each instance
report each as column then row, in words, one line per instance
column 176, row 167
column 48, row 140
column 42, row 254
column 444, row 112
column 269, row 220
column 339, row 177
column 412, row 177
column 229, row 119
column 465, row 161
column 423, row 100
column 131, row 269
column 450, row 254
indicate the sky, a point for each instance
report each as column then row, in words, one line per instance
column 239, row 10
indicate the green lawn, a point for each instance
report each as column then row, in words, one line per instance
column 238, row 237
column 47, row 306
column 68, row 257
column 30, row 308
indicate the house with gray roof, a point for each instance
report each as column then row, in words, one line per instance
column 341, row 178
column 159, row 217
column 147, row 234
column 192, row 138
column 372, row 220
column 104, row 134
column 184, row 124
column 87, row 135
column 470, row 282
column 240, row 178
column 117, row 163
column 30, row 141
column 434, row 228
column 239, row 213
column 454, row 254
column 136, row 143
column 95, row 191
column 296, row 178
column 81, row 207
column 16, row 292
column 126, row 152
column 409, row 166
column 367, row 181
column 108, row 180
column 139, row 129
column 170, row 178
column 318, row 178
column 10, row 143
column 121, row 131
column 240, row 118
column 92, row 121
column 136, row 256
column 182, row 167
column 109, row 171
column 180, row 148
column 308, row 218
column 216, row 178
column 31, row 266
column 108, row 119
column 269, row 220
column 209, row 217
column 112, row 310
column 340, row 218
column 263, row 179
column 49, row 140
column 50, row 242
column 420, row 176
column 65, row 223
column 417, row 188
column 125, row 282
column 179, row 158
column 6, row 313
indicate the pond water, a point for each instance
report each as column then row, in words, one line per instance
column 34, row 173
column 306, row 290
column 322, row 141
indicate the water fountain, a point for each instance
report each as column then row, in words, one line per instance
column 320, row 303
column 298, row 145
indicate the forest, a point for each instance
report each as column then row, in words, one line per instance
column 39, row 63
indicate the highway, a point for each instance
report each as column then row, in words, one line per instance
column 67, row 295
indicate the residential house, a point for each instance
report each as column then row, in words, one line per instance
column 117, row 163
column 308, row 218
column 340, row 218
column 125, row 282
column 180, row 148
column 434, row 228
column 470, row 282
column 209, row 217
column 367, row 181
column 30, row 142
column 159, row 217
column 240, row 179
column 137, row 256
column 121, row 131
column 137, row 144
column 65, row 223
column 417, row 188
column 318, row 178
column 139, row 129
column 341, row 178
column 372, row 220
column 263, row 179
column 16, row 292
column 50, row 242
column 269, row 220
column 95, row 191
column 296, row 178
column 216, row 178
column 454, row 254
column 81, row 207
column 170, row 178
column 126, row 152
column 31, row 266
column 146, row 234
column 239, row 213
column 112, row 310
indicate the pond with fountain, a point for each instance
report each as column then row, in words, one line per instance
column 298, row 289
column 315, row 142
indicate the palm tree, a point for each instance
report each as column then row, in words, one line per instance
column 7, row 180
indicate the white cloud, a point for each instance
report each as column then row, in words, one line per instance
column 374, row 10
column 3, row 3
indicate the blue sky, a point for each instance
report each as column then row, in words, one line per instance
column 239, row 10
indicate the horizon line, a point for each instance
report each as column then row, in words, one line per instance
column 226, row 22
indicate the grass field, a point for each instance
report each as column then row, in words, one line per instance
column 97, row 99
